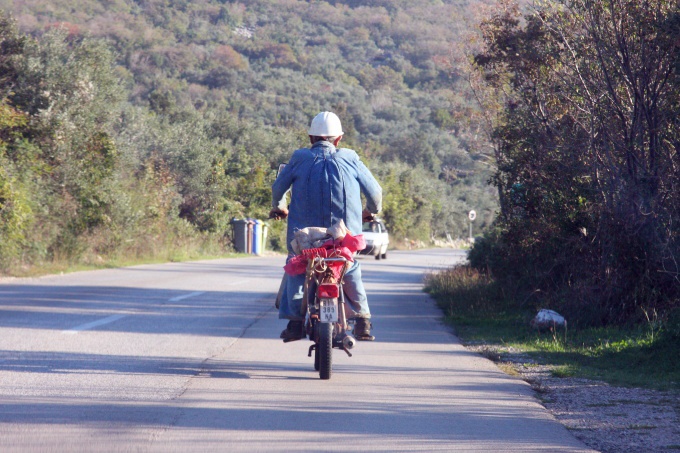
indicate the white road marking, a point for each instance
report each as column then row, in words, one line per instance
column 113, row 318
column 90, row 325
column 186, row 296
column 239, row 282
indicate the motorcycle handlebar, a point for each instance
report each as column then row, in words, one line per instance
column 278, row 214
column 338, row 259
column 367, row 216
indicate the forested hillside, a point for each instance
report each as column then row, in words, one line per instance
column 130, row 127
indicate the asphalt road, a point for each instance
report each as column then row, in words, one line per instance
column 186, row 357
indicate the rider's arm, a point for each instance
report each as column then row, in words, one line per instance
column 370, row 188
column 282, row 184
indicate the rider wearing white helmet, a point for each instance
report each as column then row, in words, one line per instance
column 327, row 183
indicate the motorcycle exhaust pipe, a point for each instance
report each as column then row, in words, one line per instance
column 348, row 342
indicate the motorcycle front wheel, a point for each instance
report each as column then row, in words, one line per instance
column 325, row 350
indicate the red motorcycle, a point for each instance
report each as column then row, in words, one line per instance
column 324, row 302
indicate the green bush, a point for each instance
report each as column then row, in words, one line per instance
column 16, row 217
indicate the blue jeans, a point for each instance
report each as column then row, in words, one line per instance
column 355, row 295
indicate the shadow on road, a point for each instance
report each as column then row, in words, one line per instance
column 141, row 310
column 452, row 418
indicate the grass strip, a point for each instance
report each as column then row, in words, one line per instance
column 481, row 313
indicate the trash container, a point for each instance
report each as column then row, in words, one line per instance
column 257, row 237
column 249, row 246
column 239, row 228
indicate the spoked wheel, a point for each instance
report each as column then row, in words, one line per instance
column 324, row 350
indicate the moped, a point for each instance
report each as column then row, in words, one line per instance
column 326, row 321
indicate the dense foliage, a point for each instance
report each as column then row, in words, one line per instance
column 587, row 141
column 126, row 127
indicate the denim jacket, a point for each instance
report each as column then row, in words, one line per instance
column 326, row 186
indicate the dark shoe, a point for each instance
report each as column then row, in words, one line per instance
column 362, row 330
column 294, row 331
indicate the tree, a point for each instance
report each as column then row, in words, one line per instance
column 587, row 152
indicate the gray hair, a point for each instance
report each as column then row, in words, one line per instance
column 316, row 138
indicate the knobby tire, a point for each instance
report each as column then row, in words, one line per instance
column 316, row 358
column 325, row 349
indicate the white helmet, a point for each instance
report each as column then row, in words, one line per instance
column 326, row 124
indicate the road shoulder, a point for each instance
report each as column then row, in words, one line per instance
column 604, row 417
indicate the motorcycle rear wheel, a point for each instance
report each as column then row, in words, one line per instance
column 325, row 349
column 316, row 358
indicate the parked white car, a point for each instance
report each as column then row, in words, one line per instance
column 377, row 239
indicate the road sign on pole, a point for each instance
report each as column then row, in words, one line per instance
column 472, row 215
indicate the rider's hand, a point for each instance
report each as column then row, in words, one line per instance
column 367, row 216
column 278, row 213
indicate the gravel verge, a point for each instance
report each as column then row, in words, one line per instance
column 606, row 418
